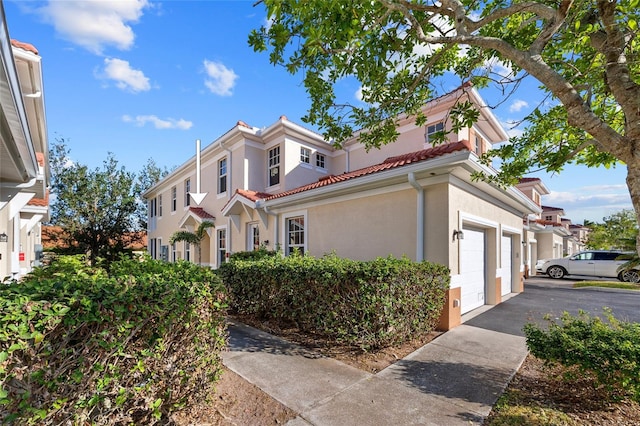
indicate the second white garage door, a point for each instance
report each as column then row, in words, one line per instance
column 472, row 269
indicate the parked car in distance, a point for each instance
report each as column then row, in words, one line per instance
column 594, row 263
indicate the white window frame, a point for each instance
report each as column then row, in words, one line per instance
column 174, row 199
column 273, row 163
column 252, row 228
column 321, row 161
column 222, row 175
column 187, row 190
column 174, row 252
column 221, row 252
column 160, row 205
column 305, row 230
column 305, row 155
column 187, row 251
column 432, row 129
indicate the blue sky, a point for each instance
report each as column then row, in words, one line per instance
column 145, row 79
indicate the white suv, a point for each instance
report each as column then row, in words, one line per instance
column 594, row 263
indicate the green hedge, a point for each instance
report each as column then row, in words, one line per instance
column 370, row 304
column 79, row 345
column 609, row 349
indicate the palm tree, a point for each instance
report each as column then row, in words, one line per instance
column 194, row 238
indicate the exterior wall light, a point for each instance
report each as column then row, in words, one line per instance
column 458, row 235
column 4, row 238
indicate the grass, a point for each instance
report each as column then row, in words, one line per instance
column 607, row 284
column 511, row 411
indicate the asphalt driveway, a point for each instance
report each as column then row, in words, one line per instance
column 545, row 296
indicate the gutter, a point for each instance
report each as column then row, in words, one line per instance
column 420, row 217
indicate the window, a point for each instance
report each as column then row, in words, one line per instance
column 320, row 160
column 587, row 255
column 305, row 155
column 187, row 190
column 274, row 166
column 187, row 251
column 174, row 253
column 295, row 234
column 173, row 199
column 160, row 205
column 253, row 236
column 152, row 207
column 222, row 245
column 432, row 130
column 550, row 218
column 152, row 248
column 478, row 147
column 222, row 176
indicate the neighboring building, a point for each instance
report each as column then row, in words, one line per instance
column 24, row 164
column 285, row 187
column 547, row 235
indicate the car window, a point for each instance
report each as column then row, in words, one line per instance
column 607, row 255
column 587, row 255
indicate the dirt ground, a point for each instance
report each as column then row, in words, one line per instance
column 238, row 402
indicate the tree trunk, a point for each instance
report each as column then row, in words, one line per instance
column 633, row 183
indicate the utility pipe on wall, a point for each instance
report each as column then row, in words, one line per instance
column 420, row 217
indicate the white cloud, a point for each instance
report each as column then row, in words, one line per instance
column 126, row 78
column 518, row 105
column 158, row 123
column 590, row 202
column 220, row 79
column 95, row 24
column 496, row 66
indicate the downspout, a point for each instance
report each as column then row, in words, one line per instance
column 420, row 218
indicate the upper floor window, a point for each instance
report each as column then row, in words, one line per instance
column 478, row 145
column 152, row 207
column 222, row 176
column 160, row 205
column 320, row 160
column 548, row 218
column 274, row 166
column 187, row 190
column 432, row 130
column 174, row 203
column 305, row 155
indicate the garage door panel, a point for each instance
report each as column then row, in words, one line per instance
column 472, row 269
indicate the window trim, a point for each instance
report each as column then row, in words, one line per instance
column 159, row 205
column 174, row 198
column 222, row 177
column 321, row 158
column 220, row 257
column 187, row 190
column 274, row 166
column 305, row 230
column 435, row 125
column 251, row 241
column 305, row 155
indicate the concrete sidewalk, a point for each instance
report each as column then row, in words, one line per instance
column 453, row 380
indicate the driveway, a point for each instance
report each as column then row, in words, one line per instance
column 544, row 296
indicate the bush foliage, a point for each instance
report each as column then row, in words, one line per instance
column 370, row 304
column 610, row 349
column 80, row 345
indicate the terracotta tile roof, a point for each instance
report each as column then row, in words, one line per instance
column 201, row 213
column 389, row 163
column 40, row 202
column 530, row 179
column 24, row 46
column 252, row 195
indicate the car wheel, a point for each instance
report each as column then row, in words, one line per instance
column 631, row 276
column 556, row 272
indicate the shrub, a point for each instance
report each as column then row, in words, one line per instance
column 261, row 253
column 370, row 304
column 79, row 345
column 609, row 349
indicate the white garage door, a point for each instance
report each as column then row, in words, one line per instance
column 472, row 269
column 506, row 264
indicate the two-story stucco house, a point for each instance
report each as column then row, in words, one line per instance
column 23, row 156
column 285, row 186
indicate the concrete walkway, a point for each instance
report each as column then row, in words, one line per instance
column 453, row 380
